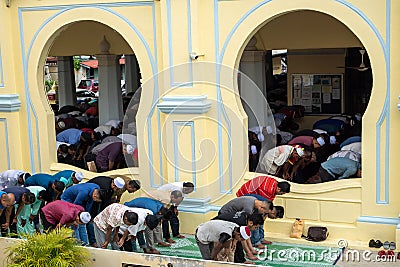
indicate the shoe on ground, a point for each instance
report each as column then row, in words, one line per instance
column 164, row 244
column 386, row 245
column 382, row 253
column 392, row 246
column 372, row 243
column 180, row 236
column 94, row 245
column 398, row 255
column 169, row 240
column 378, row 244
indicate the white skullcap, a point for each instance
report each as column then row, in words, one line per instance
column 332, row 140
column 119, row 182
column 128, row 139
column 320, row 141
column 253, row 149
column 85, row 217
column 61, row 124
column 245, row 232
column 129, row 149
column 358, row 116
column 299, row 151
column 79, row 176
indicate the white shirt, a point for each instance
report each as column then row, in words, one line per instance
column 140, row 226
column 172, row 187
column 9, row 178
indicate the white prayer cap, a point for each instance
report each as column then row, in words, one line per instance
column 119, row 182
column 79, row 176
column 85, row 217
column 130, row 149
column 320, row 141
column 253, row 149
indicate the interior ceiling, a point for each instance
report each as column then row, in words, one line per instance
column 305, row 30
column 83, row 38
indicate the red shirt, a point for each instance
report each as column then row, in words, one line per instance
column 262, row 185
column 61, row 212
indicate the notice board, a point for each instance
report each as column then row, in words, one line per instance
column 318, row 93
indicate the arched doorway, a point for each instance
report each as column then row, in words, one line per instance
column 89, row 85
column 296, row 62
column 53, row 38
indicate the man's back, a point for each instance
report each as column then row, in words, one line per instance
column 245, row 203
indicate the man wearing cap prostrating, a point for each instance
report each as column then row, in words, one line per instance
column 277, row 157
column 213, row 236
column 60, row 213
column 84, row 195
column 69, row 177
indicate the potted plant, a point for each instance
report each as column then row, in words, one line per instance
column 56, row 248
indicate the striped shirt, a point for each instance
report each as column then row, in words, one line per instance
column 262, row 185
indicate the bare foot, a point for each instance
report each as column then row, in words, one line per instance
column 180, row 236
column 251, row 257
column 266, row 242
column 164, row 244
column 260, row 246
column 169, row 240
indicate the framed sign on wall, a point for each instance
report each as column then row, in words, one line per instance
column 318, row 93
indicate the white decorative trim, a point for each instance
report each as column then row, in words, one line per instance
column 9, row 103
column 184, row 104
column 378, row 220
column 197, row 205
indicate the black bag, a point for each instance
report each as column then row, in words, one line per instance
column 317, row 233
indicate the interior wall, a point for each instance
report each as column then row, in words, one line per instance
column 298, row 30
column 83, row 38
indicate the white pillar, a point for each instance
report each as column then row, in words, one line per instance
column 66, row 81
column 110, row 97
column 132, row 73
column 252, row 65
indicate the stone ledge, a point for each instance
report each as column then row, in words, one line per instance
column 184, row 104
column 9, row 103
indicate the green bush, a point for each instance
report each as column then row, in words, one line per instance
column 56, row 249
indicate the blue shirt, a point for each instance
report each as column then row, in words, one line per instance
column 145, row 203
column 350, row 140
column 71, row 136
column 65, row 177
column 341, row 167
column 1, row 206
column 18, row 191
column 41, row 179
column 80, row 194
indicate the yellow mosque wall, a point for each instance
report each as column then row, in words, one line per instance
column 211, row 131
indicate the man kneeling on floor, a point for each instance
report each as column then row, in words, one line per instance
column 215, row 235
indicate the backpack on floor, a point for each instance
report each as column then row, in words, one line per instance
column 317, row 233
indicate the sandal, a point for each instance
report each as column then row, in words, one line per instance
column 386, row 245
column 381, row 253
column 392, row 246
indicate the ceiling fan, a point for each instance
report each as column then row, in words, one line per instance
column 362, row 66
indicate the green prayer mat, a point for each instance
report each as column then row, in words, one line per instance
column 276, row 254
